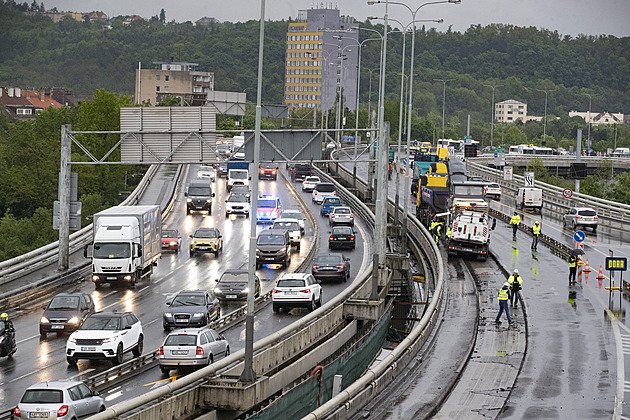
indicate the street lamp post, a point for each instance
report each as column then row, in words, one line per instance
column 544, row 142
column 443, row 99
column 590, row 98
column 491, row 115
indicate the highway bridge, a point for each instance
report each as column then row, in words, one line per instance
column 549, row 374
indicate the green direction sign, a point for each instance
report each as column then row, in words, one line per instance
column 467, row 137
column 499, row 150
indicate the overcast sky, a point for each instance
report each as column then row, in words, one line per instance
column 568, row 17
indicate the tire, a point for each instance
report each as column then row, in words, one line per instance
column 137, row 351
column 313, row 305
column 258, row 266
column 275, row 308
column 227, row 351
column 166, row 327
column 210, row 359
column 594, row 229
column 101, row 409
column 573, row 225
column 165, row 370
column 346, row 277
column 564, row 223
column 354, row 246
column 43, row 334
column 226, row 215
column 320, row 302
column 210, row 211
column 97, row 285
column 118, row 358
column 71, row 361
column 191, row 253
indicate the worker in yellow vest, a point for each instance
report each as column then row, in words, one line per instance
column 515, row 221
column 504, row 295
column 516, row 284
column 536, row 232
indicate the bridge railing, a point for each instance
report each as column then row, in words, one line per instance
column 611, row 214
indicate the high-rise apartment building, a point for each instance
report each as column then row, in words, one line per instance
column 173, row 79
column 510, row 111
column 322, row 55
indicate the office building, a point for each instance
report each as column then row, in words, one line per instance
column 173, row 80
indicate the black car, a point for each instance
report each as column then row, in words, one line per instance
column 299, row 171
column 65, row 313
column 333, row 266
column 233, row 285
column 273, row 246
column 341, row 237
column 190, row 308
column 222, row 171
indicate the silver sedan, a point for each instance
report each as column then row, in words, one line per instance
column 192, row 347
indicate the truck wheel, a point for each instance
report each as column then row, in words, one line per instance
column 210, row 211
column 97, row 285
column 192, row 254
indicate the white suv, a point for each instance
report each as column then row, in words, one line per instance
column 106, row 335
column 297, row 290
column 292, row 226
column 237, row 204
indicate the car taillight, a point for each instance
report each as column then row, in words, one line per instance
column 341, row 267
column 16, row 412
column 199, row 351
column 62, row 411
column 594, row 217
column 276, row 291
column 315, row 192
column 352, row 237
column 161, row 351
column 334, row 192
column 332, row 215
column 578, row 216
column 315, row 267
column 331, row 238
column 305, row 291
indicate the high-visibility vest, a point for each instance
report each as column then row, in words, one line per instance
column 536, row 230
column 449, row 232
column 516, row 219
column 518, row 279
column 503, row 294
column 573, row 262
column 433, row 224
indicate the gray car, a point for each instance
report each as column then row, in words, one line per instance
column 59, row 399
column 190, row 308
column 194, row 347
column 65, row 313
column 580, row 216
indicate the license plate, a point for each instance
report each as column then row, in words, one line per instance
column 202, row 247
column 43, row 415
column 181, row 320
column 56, row 327
column 290, row 293
column 269, row 259
column 88, row 348
column 179, row 352
column 342, row 238
column 230, row 296
column 328, row 268
column 110, row 278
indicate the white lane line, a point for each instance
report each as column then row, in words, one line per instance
column 28, row 338
column 621, row 372
column 113, row 396
column 143, row 289
column 150, row 322
column 115, row 389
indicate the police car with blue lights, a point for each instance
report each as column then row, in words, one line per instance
column 268, row 209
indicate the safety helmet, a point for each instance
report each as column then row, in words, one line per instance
column 4, row 317
column 434, row 217
column 506, row 284
column 536, row 222
column 515, row 212
column 516, row 271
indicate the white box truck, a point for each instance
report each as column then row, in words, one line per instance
column 127, row 244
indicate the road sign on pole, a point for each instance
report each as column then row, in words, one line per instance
column 508, row 171
column 529, row 179
column 579, row 236
column 567, row 193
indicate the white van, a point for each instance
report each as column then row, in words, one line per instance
column 238, row 147
column 621, row 152
column 237, row 177
column 529, row 197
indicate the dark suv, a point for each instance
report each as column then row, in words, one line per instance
column 233, row 285
column 65, row 312
column 199, row 196
column 190, row 308
column 299, row 171
column 273, row 246
column 268, row 170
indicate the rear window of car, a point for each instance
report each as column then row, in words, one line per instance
column 341, row 210
column 587, row 213
column 332, row 200
column 267, row 203
column 330, row 259
column 494, row 186
column 43, row 396
column 181, row 340
column 343, row 230
column 286, row 225
column 290, row 283
column 325, row 188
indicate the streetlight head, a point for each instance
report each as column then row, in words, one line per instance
column 373, row 17
column 438, row 20
column 454, row 1
column 371, row 2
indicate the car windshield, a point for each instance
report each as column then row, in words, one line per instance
column 266, row 203
column 42, row 396
column 343, row 230
column 112, row 250
column 237, row 198
column 328, row 259
column 59, row 303
column 238, row 174
column 199, row 191
column 206, row 233
column 325, row 188
column 311, row 179
column 169, row 234
column 589, row 213
column 290, row 283
column 188, row 300
column 342, row 210
column 270, row 239
column 181, row 340
column 101, row 323
column 234, row 277
column 286, row 225
column 268, row 165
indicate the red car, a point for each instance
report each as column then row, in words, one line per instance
column 171, row 240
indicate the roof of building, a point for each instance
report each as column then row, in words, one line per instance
column 511, row 101
column 41, row 100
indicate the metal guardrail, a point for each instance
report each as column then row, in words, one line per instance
column 27, row 263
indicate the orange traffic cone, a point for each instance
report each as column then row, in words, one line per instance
column 600, row 276
column 587, row 269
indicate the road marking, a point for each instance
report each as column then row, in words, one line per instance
column 621, row 373
column 150, row 322
column 113, row 396
column 170, row 379
column 28, row 338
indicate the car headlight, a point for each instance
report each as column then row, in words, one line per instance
column 110, row 339
column 168, row 315
column 127, row 277
column 197, row 315
column 246, row 290
column 173, row 243
column 44, row 320
column 193, row 242
column 189, row 200
column 73, row 320
column 95, row 278
column 217, row 290
column 72, row 339
column 208, row 201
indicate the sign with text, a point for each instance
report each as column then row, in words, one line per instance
column 616, row 263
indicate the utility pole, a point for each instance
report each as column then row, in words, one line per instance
column 590, row 99
column 544, row 142
column 491, row 115
column 443, row 99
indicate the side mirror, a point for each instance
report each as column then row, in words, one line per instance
column 220, row 236
column 190, row 236
column 85, row 247
column 95, row 393
column 494, row 224
column 139, row 251
column 346, row 259
column 44, row 308
column 213, row 194
column 168, row 302
column 221, row 338
column 186, row 194
column 250, row 178
column 128, row 327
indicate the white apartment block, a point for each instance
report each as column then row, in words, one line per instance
column 510, row 111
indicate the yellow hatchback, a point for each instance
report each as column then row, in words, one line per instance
column 206, row 240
